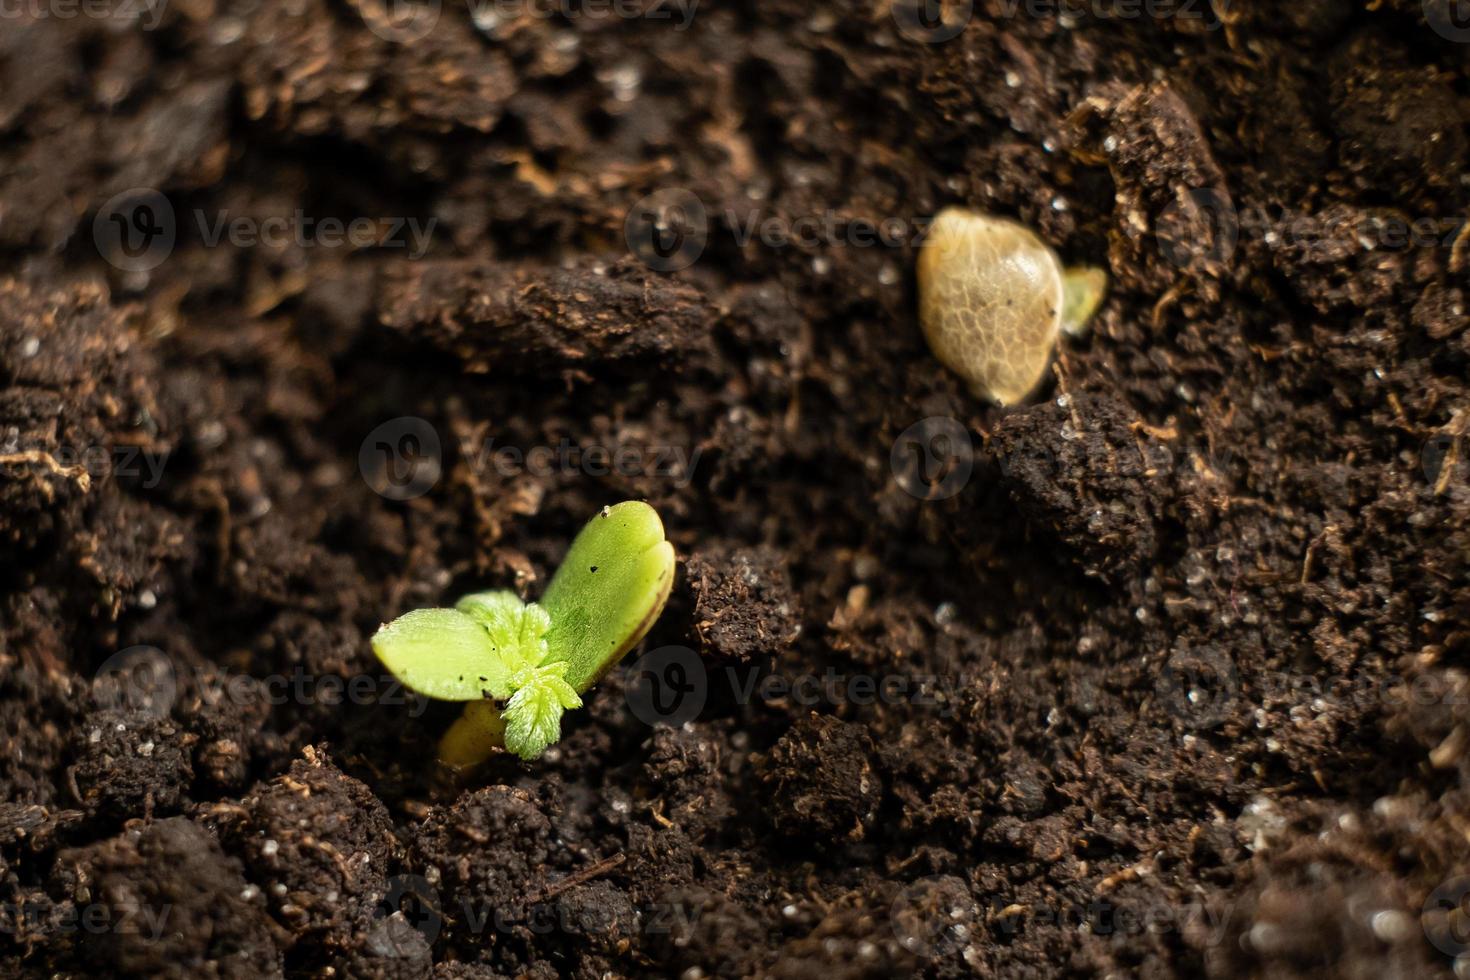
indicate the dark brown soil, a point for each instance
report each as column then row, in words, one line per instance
column 1164, row 674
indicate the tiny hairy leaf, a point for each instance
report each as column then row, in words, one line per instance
column 533, row 716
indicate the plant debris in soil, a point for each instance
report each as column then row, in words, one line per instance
column 313, row 315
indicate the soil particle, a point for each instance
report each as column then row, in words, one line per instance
column 37, row 712
column 98, row 127
column 227, row 713
column 77, row 404
column 129, row 762
column 1398, row 126
column 492, row 847
column 658, row 858
column 686, row 769
column 1087, row 473
column 935, row 810
column 1333, row 260
column 510, row 319
column 713, row 933
column 744, row 606
column 820, row 781
column 1442, row 311
column 451, row 82
column 392, row 949
column 848, row 943
column 598, row 920
column 189, row 912
column 1363, row 920
column 1170, row 191
column 458, row 970
column 31, row 828
column 319, row 844
column 1283, row 131
column 936, row 914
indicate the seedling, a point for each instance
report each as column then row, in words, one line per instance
column 520, row 665
column 993, row 298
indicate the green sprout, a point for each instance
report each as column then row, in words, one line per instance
column 536, row 659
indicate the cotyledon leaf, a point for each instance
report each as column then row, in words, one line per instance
column 607, row 593
column 443, row 654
